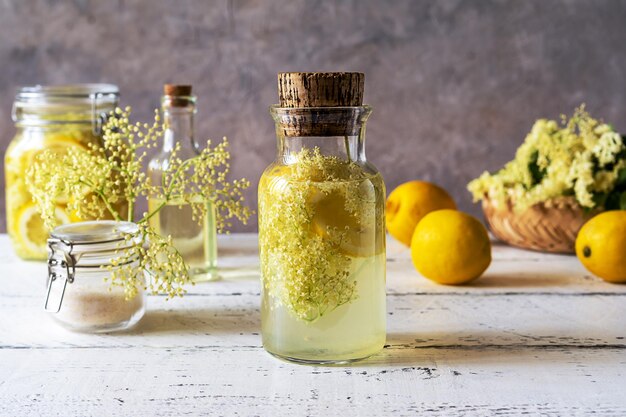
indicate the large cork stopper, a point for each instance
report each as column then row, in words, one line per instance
column 179, row 94
column 320, row 89
column 319, row 103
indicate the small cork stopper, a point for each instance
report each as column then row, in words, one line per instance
column 320, row 89
column 178, row 94
column 177, row 90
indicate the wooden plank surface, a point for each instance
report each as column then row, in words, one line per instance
column 536, row 335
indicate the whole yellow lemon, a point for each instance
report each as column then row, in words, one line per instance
column 601, row 245
column 450, row 247
column 409, row 202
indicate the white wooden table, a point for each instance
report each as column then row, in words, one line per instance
column 535, row 335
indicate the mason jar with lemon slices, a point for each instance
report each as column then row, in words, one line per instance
column 48, row 118
column 321, row 226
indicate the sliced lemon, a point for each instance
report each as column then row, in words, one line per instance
column 343, row 212
column 57, row 144
column 356, row 230
column 12, row 170
column 31, row 232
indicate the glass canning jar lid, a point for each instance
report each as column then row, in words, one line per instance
column 95, row 232
column 86, row 246
column 58, row 104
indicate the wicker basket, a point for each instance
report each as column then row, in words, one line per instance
column 550, row 226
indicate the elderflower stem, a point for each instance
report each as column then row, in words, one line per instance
column 103, row 176
column 111, row 210
column 131, row 209
column 102, row 197
column 175, row 176
column 153, row 212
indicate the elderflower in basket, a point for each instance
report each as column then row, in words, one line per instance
column 561, row 175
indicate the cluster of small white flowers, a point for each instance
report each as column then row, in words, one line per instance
column 202, row 179
column 151, row 263
column 108, row 179
column 582, row 157
column 305, row 268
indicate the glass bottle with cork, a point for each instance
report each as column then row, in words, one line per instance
column 321, row 225
column 195, row 240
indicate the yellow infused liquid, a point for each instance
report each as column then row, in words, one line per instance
column 197, row 243
column 321, row 225
column 352, row 331
column 24, row 224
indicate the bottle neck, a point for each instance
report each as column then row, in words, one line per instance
column 347, row 148
column 179, row 129
column 333, row 131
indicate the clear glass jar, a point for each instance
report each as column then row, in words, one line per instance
column 53, row 118
column 196, row 242
column 322, row 239
column 82, row 256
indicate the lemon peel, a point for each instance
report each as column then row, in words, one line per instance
column 31, row 234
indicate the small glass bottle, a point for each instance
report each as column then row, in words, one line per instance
column 321, row 226
column 81, row 258
column 196, row 242
column 52, row 118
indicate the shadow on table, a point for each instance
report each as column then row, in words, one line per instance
column 200, row 321
column 419, row 349
column 512, row 280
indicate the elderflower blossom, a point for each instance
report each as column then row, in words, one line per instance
column 582, row 157
column 107, row 180
column 306, row 264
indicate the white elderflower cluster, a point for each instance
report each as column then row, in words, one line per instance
column 107, row 180
column 582, row 157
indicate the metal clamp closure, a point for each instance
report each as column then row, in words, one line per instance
column 61, row 270
column 98, row 120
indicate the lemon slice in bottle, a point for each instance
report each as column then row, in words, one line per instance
column 32, row 235
column 332, row 220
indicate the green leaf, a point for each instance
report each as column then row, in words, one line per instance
column 599, row 199
column 612, row 201
column 587, row 210
column 622, row 201
column 621, row 178
column 595, row 166
column 534, row 169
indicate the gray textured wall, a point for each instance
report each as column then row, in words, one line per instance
column 455, row 85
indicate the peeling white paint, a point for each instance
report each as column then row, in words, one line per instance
column 535, row 335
